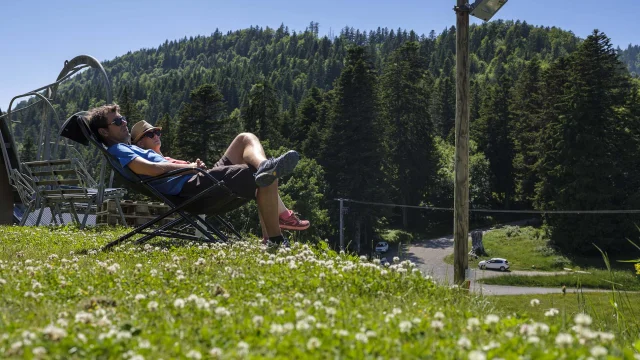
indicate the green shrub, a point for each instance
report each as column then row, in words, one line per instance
column 397, row 236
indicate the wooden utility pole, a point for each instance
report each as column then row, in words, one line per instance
column 461, row 187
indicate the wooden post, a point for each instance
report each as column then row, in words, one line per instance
column 461, row 187
column 341, row 224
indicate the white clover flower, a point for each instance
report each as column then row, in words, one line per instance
column 54, row 333
column 405, row 326
column 330, row 311
column 257, row 320
column 464, row 343
column 140, row 297
column 84, row 317
column 320, row 290
column 598, row 351
column 416, row 320
column 194, row 354
column 363, row 338
column 302, row 325
column 473, row 323
column 491, row 345
column 279, row 312
column 243, row 348
column 2, row 281
column 439, row 315
column 222, row 311
column 62, row 322
column 551, row 312
column 123, row 335
column 491, row 319
column 533, row 339
column 276, row 329
column 199, row 262
column 152, row 305
column 582, row 319
column 113, row 268
column 437, row 325
column 138, row 266
column 179, row 303
column 192, row 297
column 215, row 352
column 477, row 355
column 16, row 346
column 396, row 311
column 81, row 337
column 534, row 302
column 136, row 357
column 564, row 339
column 39, row 351
column 313, row 343
column 144, row 344
column 396, row 259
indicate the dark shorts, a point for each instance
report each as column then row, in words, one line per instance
column 238, row 178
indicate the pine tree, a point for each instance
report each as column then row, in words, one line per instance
column 583, row 165
column 497, row 143
column 128, row 108
column 354, row 151
column 262, row 115
column 526, row 111
column 199, row 126
column 28, row 151
column 405, row 95
column 168, row 134
column 308, row 114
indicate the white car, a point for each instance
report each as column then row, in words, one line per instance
column 382, row 247
column 494, row 263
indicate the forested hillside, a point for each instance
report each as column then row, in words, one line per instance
column 554, row 120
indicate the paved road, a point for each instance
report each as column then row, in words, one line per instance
column 429, row 256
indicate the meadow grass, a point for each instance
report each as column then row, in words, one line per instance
column 63, row 299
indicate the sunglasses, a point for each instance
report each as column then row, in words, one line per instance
column 118, row 121
column 150, row 134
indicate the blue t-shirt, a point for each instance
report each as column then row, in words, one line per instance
column 126, row 153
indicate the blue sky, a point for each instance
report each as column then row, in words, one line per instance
column 36, row 36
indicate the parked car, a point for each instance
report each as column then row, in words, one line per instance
column 494, row 263
column 382, row 247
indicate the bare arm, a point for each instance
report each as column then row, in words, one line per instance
column 141, row 166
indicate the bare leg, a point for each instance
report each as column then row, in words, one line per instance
column 264, row 228
column 268, row 206
column 246, row 149
column 281, row 207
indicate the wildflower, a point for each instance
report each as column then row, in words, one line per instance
column 396, row 311
column 363, row 258
column 598, row 351
column 582, row 319
column 215, row 352
column 222, row 311
column 405, row 326
column 551, row 312
column 564, row 339
column 330, row 311
column 396, row 259
column 39, row 351
column 361, row 337
column 2, row 281
column 439, row 315
column 437, row 325
column 473, row 323
column 535, row 302
column 140, row 297
column 54, row 333
column 464, row 343
column 313, row 343
column 82, row 337
column 243, row 348
column 152, row 306
column 302, row 325
column 178, row 303
column 194, row 354
column 144, row 344
column 491, row 319
column 533, row 339
column 113, row 268
column 477, row 355
column 258, row 320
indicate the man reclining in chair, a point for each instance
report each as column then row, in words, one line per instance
column 148, row 137
column 244, row 168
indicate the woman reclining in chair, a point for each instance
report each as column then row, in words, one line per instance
column 148, row 137
column 244, row 168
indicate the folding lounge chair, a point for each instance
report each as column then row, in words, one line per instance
column 77, row 129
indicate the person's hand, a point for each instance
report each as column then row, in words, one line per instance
column 201, row 164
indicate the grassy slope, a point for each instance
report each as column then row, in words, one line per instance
column 176, row 302
column 526, row 249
